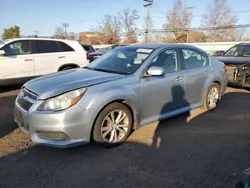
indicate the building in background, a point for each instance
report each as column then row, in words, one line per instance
column 89, row 38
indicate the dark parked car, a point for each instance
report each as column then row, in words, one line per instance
column 94, row 55
column 237, row 60
column 89, row 49
column 217, row 53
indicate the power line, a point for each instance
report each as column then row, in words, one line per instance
column 223, row 27
column 196, row 15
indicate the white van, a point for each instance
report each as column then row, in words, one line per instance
column 22, row 59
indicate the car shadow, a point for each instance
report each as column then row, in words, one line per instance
column 196, row 149
column 10, row 88
column 7, row 104
column 7, row 124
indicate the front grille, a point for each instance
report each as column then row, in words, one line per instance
column 26, row 99
column 24, row 104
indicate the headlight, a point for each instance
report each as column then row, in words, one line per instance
column 62, row 102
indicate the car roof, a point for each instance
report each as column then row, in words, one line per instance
column 158, row 45
column 244, row 44
column 36, row 38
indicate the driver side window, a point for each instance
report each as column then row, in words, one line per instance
column 17, row 48
column 166, row 60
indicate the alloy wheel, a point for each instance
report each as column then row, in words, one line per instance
column 115, row 126
column 213, row 97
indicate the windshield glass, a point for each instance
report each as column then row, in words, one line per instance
column 239, row 51
column 122, row 60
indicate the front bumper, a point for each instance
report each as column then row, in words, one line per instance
column 74, row 123
column 237, row 76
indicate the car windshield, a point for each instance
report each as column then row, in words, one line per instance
column 239, row 51
column 122, row 60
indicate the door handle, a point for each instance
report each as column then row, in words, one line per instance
column 179, row 79
column 208, row 72
column 60, row 57
column 28, row 59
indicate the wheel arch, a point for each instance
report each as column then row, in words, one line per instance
column 129, row 105
column 213, row 82
column 68, row 65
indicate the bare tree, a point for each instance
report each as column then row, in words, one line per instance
column 219, row 15
column 59, row 33
column 72, row 36
column 128, row 22
column 177, row 18
column 240, row 34
column 109, row 30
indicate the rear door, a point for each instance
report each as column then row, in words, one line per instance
column 18, row 61
column 199, row 74
column 47, row 57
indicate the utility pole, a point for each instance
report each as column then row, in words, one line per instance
column 36, row 33
column 189, row 20
column 65, row 25
column 147, row 5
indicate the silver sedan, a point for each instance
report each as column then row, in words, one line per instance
column 124, row 89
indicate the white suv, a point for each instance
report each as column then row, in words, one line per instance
column 25, row 58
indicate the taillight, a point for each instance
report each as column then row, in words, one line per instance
column 225, row 68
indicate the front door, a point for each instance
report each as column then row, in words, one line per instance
column 163, row 94
column 198, row 74
column 18, row 60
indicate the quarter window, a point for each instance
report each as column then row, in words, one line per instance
column 21, row 47
column 193, row 59
column 64, row 47
column 46, row 46
column 167, row 60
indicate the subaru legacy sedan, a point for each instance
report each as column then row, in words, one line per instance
column 124, row 89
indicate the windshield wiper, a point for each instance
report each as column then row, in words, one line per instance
column 87, row 68
column 105, row 70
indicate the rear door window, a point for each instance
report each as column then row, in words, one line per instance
column 194, row 59
column 46, row 46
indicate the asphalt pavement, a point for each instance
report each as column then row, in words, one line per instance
column 196, row 149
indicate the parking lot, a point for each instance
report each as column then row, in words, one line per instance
column 198, row 149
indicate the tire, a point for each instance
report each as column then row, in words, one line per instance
column 212, row 96
column 110, row 134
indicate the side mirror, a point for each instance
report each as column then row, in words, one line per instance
column 155, row 71
column 2, row 52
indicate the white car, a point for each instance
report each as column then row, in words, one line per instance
column 22, row 59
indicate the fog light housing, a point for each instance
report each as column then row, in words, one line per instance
column 51, row 135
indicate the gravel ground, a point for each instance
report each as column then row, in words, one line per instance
column 197, row 149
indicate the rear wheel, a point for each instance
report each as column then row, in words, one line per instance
column 212, row 97
column 113, row 125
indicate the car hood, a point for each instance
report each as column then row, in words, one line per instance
column 61, row 82
column 234, row 60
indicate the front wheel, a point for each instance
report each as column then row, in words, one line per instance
column 113, row 125
column 212, row 97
